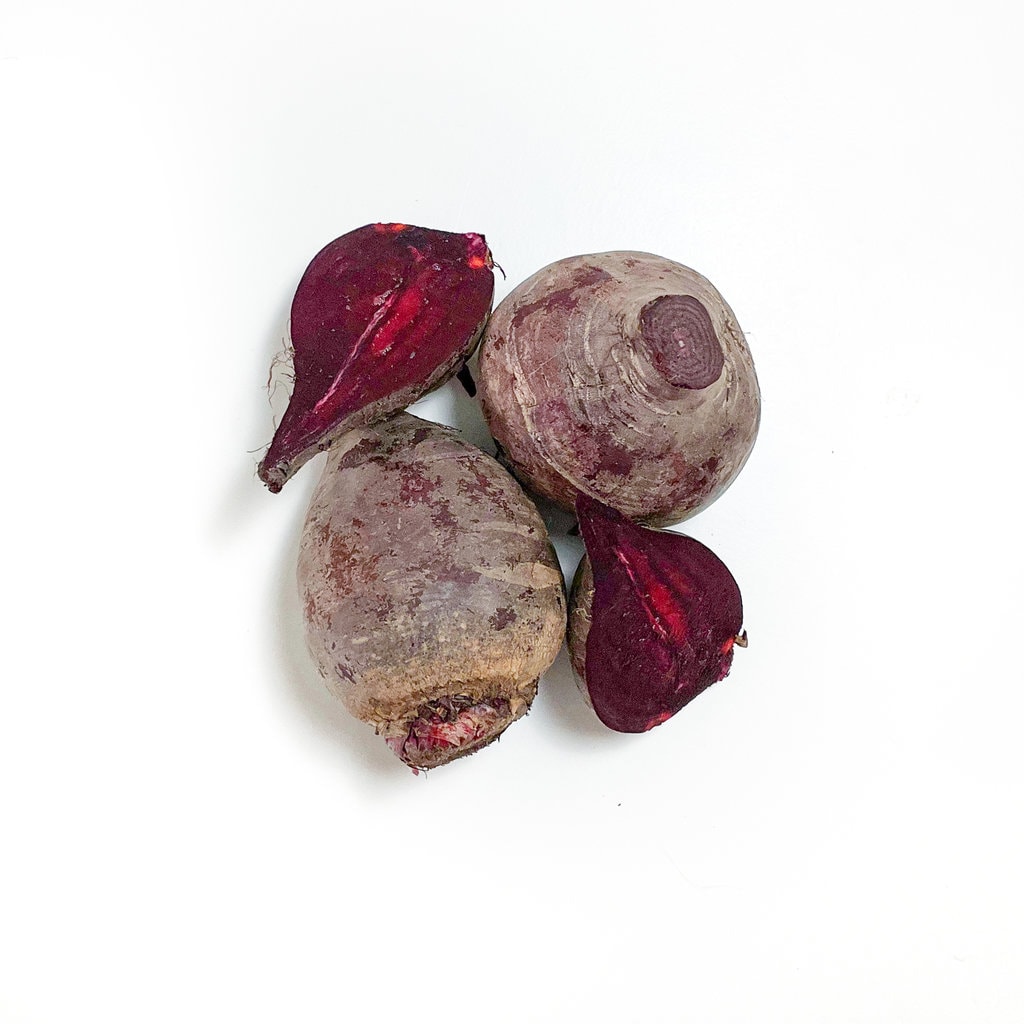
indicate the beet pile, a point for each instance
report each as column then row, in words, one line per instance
column 617, row 385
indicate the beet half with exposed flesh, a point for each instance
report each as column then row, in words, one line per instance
column 654, row 618
column 382, row 315
column 432, row 597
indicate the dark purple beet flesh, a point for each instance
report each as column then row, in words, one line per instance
column 665, row 615
column 682, row 340
column 381, row 316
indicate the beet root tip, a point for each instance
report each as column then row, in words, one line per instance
column 274, row 475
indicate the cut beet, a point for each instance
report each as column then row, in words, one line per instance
column 381, row 316
column 653, row 619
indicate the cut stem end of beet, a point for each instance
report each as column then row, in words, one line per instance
column 452, row 727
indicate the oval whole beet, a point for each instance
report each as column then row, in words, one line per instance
column 623, row 376
column 432, row 596
column 654, row 618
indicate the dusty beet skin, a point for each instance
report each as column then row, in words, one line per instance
column 623, row 376
column 654, row 618
column 432, row 596
column 382, row 315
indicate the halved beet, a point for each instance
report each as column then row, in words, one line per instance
column 381, row 316
column 653, row 619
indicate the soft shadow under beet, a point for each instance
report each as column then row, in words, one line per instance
column 560, row 697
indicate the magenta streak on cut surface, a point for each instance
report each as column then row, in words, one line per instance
column 655, row 599
column 388, row 302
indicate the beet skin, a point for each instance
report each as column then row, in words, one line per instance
column 382, row 315
column 623, row 376
column 654, row 618
column 432, row 597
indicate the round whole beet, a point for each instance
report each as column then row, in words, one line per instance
column 623, row 376
column 432, row 596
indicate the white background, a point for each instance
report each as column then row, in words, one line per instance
column 192, row 830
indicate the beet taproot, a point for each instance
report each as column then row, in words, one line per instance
column 623, row 376
column 432, row 597
column 654, row 618
column 382, row 315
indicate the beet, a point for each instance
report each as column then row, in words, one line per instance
column 623, row 376
column 382, row 315
column 653, row 619
column 432, row 597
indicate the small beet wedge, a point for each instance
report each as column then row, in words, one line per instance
column 382, row 315
column 654, row 617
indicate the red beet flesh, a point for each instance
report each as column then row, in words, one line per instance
column 381, row 316
column 450, row 727
column 664, row 616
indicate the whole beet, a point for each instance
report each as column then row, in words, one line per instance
column 432, row 597
column 623, row 376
